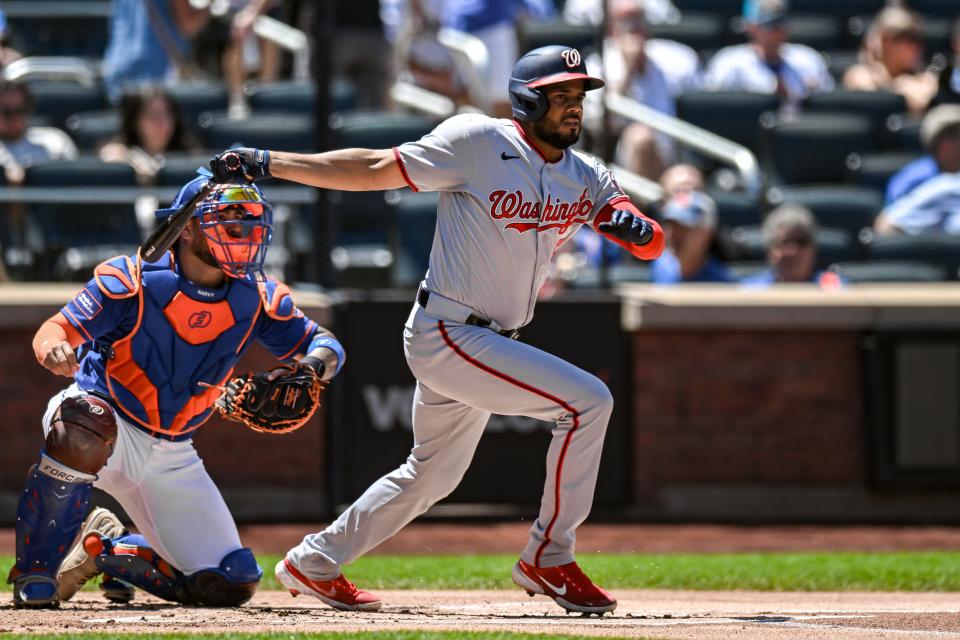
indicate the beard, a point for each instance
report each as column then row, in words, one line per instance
column 200, row 249
column 551, row 134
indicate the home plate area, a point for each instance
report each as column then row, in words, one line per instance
column 648, row 613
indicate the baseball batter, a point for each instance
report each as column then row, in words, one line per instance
column 511, row 192
column 147, row 346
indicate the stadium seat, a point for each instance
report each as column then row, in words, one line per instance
column 696, row 30
column 840, row 8
column 82, row 223
column 936, row 8
column 833, row 245
column 533, row 34
column 415, row 215
column 816, row 31
column 281, row 131
column 839, row 60
column 837, row 206
column 90, row 129
column 82, row 172
column 56, row 100
column 813, row 148
column 905, row 133
column 889, row 271
column 735, row 115
column 876, row 105
column 299, row 97
column 179, row 169
column 378, row 129
column 45, row 28
column 725, row 8
column 873, row 170
column 937, row 249
column 196, row 98
column 590, row 277
column 736, row 209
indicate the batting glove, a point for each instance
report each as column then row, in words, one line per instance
column 628, row 227
column 240, row 165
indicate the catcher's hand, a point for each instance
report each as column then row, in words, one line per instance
column 276, row 401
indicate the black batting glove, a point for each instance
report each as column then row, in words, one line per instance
column 628, row 227
column 240, row 165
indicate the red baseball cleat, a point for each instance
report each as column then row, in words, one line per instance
column 339, row 593
column 567, row 585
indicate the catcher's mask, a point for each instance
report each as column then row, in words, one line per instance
column 237, row 225
column 236, row 222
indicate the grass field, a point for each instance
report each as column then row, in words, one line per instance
column 907, row 571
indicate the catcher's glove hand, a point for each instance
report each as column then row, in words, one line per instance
column 276, row 401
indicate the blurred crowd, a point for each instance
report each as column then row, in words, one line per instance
column 822, row 72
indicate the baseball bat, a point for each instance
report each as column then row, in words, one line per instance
column 163, row 237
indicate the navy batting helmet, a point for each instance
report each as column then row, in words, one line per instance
column 542, row 67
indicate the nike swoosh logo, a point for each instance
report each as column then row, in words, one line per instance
column 557, row 590
column 504, row 156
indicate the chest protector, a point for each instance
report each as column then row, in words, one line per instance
column 165, row 374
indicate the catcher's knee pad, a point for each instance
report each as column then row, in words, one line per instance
column 230, row 585
column 49, row 514
column 82, row 433
column 131, row 559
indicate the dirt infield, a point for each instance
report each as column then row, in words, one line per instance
column 662, row 614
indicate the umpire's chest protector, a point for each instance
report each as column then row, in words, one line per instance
column 185, row 338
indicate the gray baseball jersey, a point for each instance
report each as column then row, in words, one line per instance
column 504, row 210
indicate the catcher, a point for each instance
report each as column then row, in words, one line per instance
column 151, row 349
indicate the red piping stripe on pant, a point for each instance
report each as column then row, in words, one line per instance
column 542, row 394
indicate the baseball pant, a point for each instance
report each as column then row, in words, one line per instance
column 166, row 491
column 464, row 373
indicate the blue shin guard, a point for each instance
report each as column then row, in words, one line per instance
column 131, row 559
column 49, row 514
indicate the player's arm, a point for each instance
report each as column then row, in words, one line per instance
column 325, row 354
column 622, row 222
column 55, row 345
column 343, row 169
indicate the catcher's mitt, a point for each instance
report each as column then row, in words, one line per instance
column 280, row 405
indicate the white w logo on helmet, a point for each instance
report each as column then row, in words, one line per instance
column 571, row 57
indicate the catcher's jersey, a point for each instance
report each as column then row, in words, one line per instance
column 504, row 210
column 155, row 339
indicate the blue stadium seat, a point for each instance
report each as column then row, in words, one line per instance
column 195, row 98
column 837, row 206
column 299, row 97
column 533, row 34
column 889, row 271
column 878, row 106
column 735, row 115
column 874, row 170
column 905, row 133
column 415, row 216
column 839, row 8
column 936, row 249
column 378, row 129
column 736, row 209
column 178, row 169
column 726, row 8
column 90, row 129
column 56, row 100
column 698, row 31
column 813, row 148
column 280, row 131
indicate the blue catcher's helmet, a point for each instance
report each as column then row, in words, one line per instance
column 236, row 222
column 542, row 67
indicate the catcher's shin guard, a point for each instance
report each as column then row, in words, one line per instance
column 49, row 513
column 131, row 559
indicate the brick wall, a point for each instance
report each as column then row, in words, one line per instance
column 746, row 408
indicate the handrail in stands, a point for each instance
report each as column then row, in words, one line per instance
column 471, row 57
column 290, row 38
column 68, row 68
column 701, row 140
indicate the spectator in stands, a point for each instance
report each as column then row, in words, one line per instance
column 949, row 78
column 790, row 238
column 22, row 145
column 494, row 22
column 590, row 12
column 150, row 42
column 241, row 45
column 680, row 177
column 940, row 135
column 7, row 53
column 768, row 63
column 690, row 219
column 151, row 126
column 651, row 71
column 933, row 207
column 891, row 59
